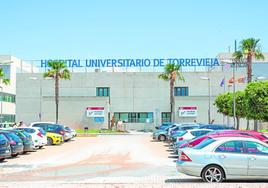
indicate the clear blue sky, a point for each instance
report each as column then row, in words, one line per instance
column 42, row 29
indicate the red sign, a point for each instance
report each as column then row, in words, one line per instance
column 95, row 108
column 188, row 108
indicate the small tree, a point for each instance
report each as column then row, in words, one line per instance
column 257, row 99
column 171, row 73
column 241, row 106
column 58, row 70
column 222, row 103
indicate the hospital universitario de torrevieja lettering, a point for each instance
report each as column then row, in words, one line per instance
column 158, row 62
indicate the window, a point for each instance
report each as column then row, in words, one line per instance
column 231, row 147
column 166, row 117
column 256, row 148
column 204, row 143
column 7, row 118
column 134, row 117
column 103, row 91
column 181, row 91
column 6, row 97
column 198, row 133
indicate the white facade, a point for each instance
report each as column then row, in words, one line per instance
column 140, row 96
column 138, row 92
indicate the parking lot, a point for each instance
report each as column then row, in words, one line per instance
column 114, row 160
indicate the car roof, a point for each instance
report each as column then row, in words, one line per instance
column 41, row 122
column 234, row 138
column 200, row 130
column 216, row 135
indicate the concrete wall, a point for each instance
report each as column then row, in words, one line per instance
column 129, row 92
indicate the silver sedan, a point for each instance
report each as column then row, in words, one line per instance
column 218, row 159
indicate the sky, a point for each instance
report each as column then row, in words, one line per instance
column 51, row 29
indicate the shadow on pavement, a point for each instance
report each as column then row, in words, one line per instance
column 199, row 180
column 184, row 180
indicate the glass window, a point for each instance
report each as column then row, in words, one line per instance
column 256, row 148
column 6, row 97
column 231, row 147
column 134, row 117
column 204, row 143
column 166, row 117
column 181, row 91
column 103, row 91
column 198, row 133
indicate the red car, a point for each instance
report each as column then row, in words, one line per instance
column 227, row 133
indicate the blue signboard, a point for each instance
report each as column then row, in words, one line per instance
column 158, row 62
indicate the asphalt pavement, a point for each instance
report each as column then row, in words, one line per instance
column 132, row 160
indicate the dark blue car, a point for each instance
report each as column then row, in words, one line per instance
column 15, row 142
column 5, row 150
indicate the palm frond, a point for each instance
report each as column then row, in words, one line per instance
column 65, row 74
column 6, row 81
column 163, row 76
column 258, row 55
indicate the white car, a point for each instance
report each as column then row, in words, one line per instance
column 193, row 133
column 70, row 130
column 218, row 159
column 38, row 136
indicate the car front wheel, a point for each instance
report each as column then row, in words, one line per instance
column 213, row 174
column 162, row 137
column 49, row 141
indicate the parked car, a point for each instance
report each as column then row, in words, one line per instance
column 54, row 138
column 187, row 136
column 181, row 127
column 222, row 158
column 38, row 135
column 15, row 142
column 72, row 131
column 26, row 139
column 161, row 134
column 225, row 133
column 5, row 150
column 216, row 127
column 165, row 125
column 53, row 128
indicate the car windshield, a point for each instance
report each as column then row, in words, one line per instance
column 26, row 134
column 13, row 137
column 2, row 137
column 180, row 133
column 204, row 143
column 42, row 131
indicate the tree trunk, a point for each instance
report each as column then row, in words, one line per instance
column 57, row 96
column 237, row 122
column 171, row 84
column 249, row 71
column 255, row 125
column 247, row 124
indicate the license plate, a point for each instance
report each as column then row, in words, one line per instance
column 19, row 144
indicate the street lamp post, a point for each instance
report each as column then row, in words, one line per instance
column 209, row 97
column 233, row 63
column 234, row 106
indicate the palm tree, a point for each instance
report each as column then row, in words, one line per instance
column 2, row 77
column 171, row 73
column 249, row 49
column 58, row 70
